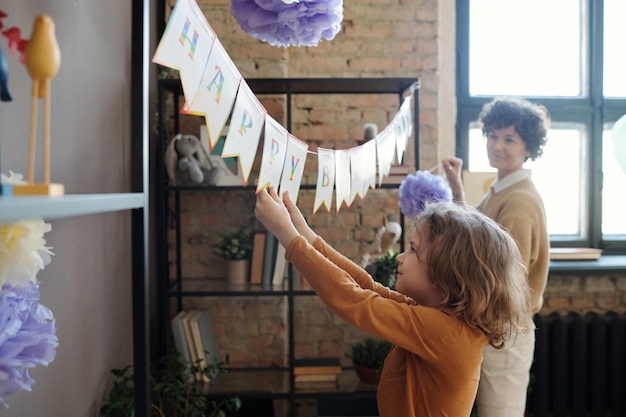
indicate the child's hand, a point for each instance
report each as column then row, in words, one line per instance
column 298, row 219
column 271, row 211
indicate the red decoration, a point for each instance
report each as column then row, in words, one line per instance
column 14, row 35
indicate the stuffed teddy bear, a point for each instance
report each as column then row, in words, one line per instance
column 187, row 162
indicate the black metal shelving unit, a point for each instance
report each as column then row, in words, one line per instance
column 236, row 381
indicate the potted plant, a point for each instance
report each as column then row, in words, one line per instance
column 385, row 269
column 235, row 247
column 172, row 393
column 368, row 357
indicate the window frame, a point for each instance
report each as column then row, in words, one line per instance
column 592, row 110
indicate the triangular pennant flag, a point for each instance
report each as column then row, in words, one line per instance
column 369, row 164
column 185, row 45
column 385, row 150
column 356, row 173
column 293, row 168
column 407, row 117
column 216, row 93
column 245, row 129
column 273, row 157
column 342, row 178
column 402, row 130
column 325, row 178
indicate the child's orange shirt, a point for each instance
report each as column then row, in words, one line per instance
column 434, row 366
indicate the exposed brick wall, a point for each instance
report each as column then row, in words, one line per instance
column 379, row 38
column 585, row 293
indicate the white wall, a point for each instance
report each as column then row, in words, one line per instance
column 88, row 283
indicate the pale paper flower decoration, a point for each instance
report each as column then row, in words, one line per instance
column 289, row 22
column 23, row 250
column 421, row 188
column 13, row 178
column 27, row 338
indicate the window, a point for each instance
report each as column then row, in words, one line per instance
column 578, row 72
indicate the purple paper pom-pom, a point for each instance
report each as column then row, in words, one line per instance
column 27, row 338
column 418, row 189
column 294, row 23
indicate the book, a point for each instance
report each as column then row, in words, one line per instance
column 316, row 378
column 258, row 252
column 190, row 342
column 197, row 343
column 575, row 254
column 309, row 366
column 180, row 339
column 269, row 258
column 316, row 385
column 209, row 342
column 279, row 266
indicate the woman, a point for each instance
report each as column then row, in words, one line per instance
column 515, row 130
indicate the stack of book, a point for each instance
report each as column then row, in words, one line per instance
column 195, row 342
column 316, row 373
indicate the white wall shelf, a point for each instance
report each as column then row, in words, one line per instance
column 15, row 208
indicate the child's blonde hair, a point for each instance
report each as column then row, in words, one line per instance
column 478, row 267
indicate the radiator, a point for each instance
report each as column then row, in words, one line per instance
column 579, row 367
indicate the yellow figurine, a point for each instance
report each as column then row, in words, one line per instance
column 42, row 60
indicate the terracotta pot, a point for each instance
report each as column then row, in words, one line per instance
column 369, row 376
column 237, row 271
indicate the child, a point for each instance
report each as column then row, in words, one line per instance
column 460, row 286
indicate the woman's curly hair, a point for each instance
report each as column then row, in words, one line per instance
column 530, row 120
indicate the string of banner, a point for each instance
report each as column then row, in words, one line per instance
column 214, row 88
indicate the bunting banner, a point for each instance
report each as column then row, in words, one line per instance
column 245, row 129
column 274, row 152
column 216, row 93
column 185, row 45
column 325, row 179
column 342, row 178
column 294, row 167
column 214, row 88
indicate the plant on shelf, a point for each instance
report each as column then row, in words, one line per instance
column 385, row 269
column 235, row 245
column 368, row 357
column 172, row 393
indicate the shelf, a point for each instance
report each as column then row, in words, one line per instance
column 319, row 85
column 275, row 383
column 251, row 382
column 72, row 205
column 174, row 287
column 204, row 287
